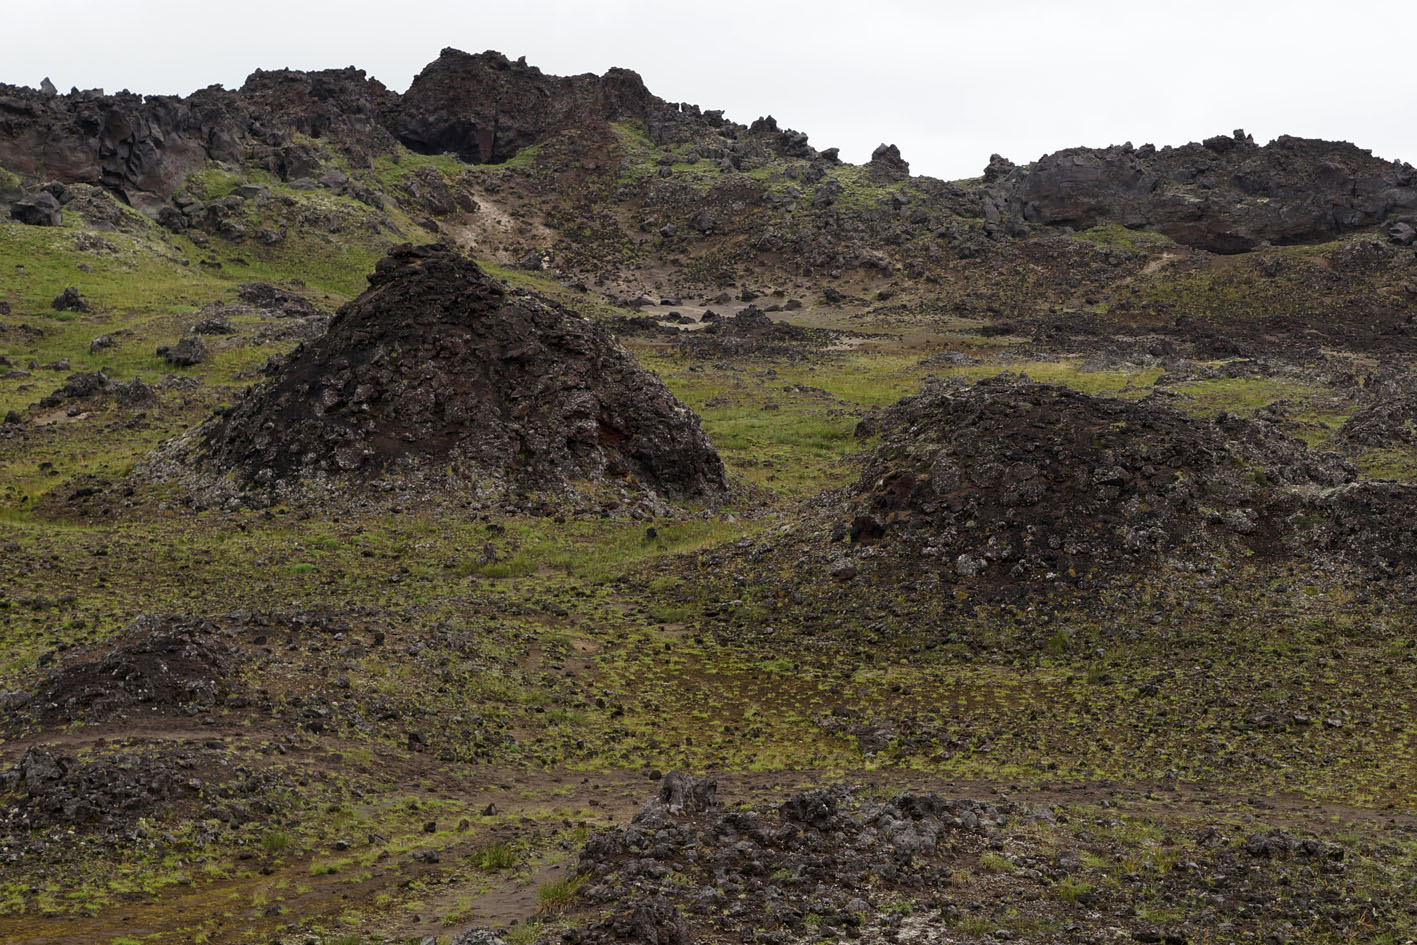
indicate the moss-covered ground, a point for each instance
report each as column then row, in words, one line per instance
column 447, row 700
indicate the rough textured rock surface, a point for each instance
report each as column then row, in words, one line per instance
column 439, row 362
column 142, row 148
column 485, row 108
column 887, row 166
column 89, row 385
column 1018, row 478
column 1225, row 195
column 834, row 864
column 157, row 664
column 1387, row 422
column 60, row 789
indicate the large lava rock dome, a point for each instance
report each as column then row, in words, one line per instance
column 439, row 362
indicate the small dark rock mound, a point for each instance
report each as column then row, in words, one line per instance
column 680, row 793
column 477, row 936
column 438, row 362
column 754, row 324
column 887, row 166
column 188, row 352
column 1022, row 479
column 1281, row 844
column 60, row 790
column 1385, row 423
column 70, row 301
column 40, row 210
column 1371, row 523
column 671, row 878
column 158, row 664
column 834, row 864
column 103, row 795
column 214, row 324
column 88, row 385
column 280, row 302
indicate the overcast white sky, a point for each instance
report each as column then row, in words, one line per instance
column 948, row 82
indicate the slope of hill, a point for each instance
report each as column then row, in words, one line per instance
column 1025, row 558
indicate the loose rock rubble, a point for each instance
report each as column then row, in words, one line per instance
column 812, row 865
column 89, row 385
column 834, row 864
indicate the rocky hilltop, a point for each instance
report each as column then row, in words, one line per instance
column 1225, row 194
column 141, row 148
column 486, row 108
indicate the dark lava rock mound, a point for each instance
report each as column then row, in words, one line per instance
column 1020, row 478
column 680, row 875
column 157, row 664
column 87, row 386
column 836, row 864
column 102, row 796
column 485, row 108
column 1390, row 422
column 438, row 362
column 752, row 323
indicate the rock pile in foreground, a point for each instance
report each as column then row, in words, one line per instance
column 839, row 864
column 438, row 363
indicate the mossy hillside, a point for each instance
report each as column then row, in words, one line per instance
column 535, row 653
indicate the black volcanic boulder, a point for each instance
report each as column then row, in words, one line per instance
column 1018, row 478
column 39, row 210
column 1225, row 195
column 485, row 108
column 887, row 166
column 438, row 362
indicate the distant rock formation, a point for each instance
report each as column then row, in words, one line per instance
column 142, row 148
column 1225, row 195
column 485, row 108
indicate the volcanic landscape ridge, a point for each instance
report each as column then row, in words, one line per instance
column 525, row 510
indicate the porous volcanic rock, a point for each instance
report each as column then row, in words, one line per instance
column 754, row 324
column 835, row 863
column 887, row 166
column 1226, row 194
column 158, row 663
column 1014, row 477
column 439, row 362
column 277, row 301
column 1372, row 523
column 143, row 147
column 88, row 385
column 1388, row 422
column 485, row 108
column 60, row 790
